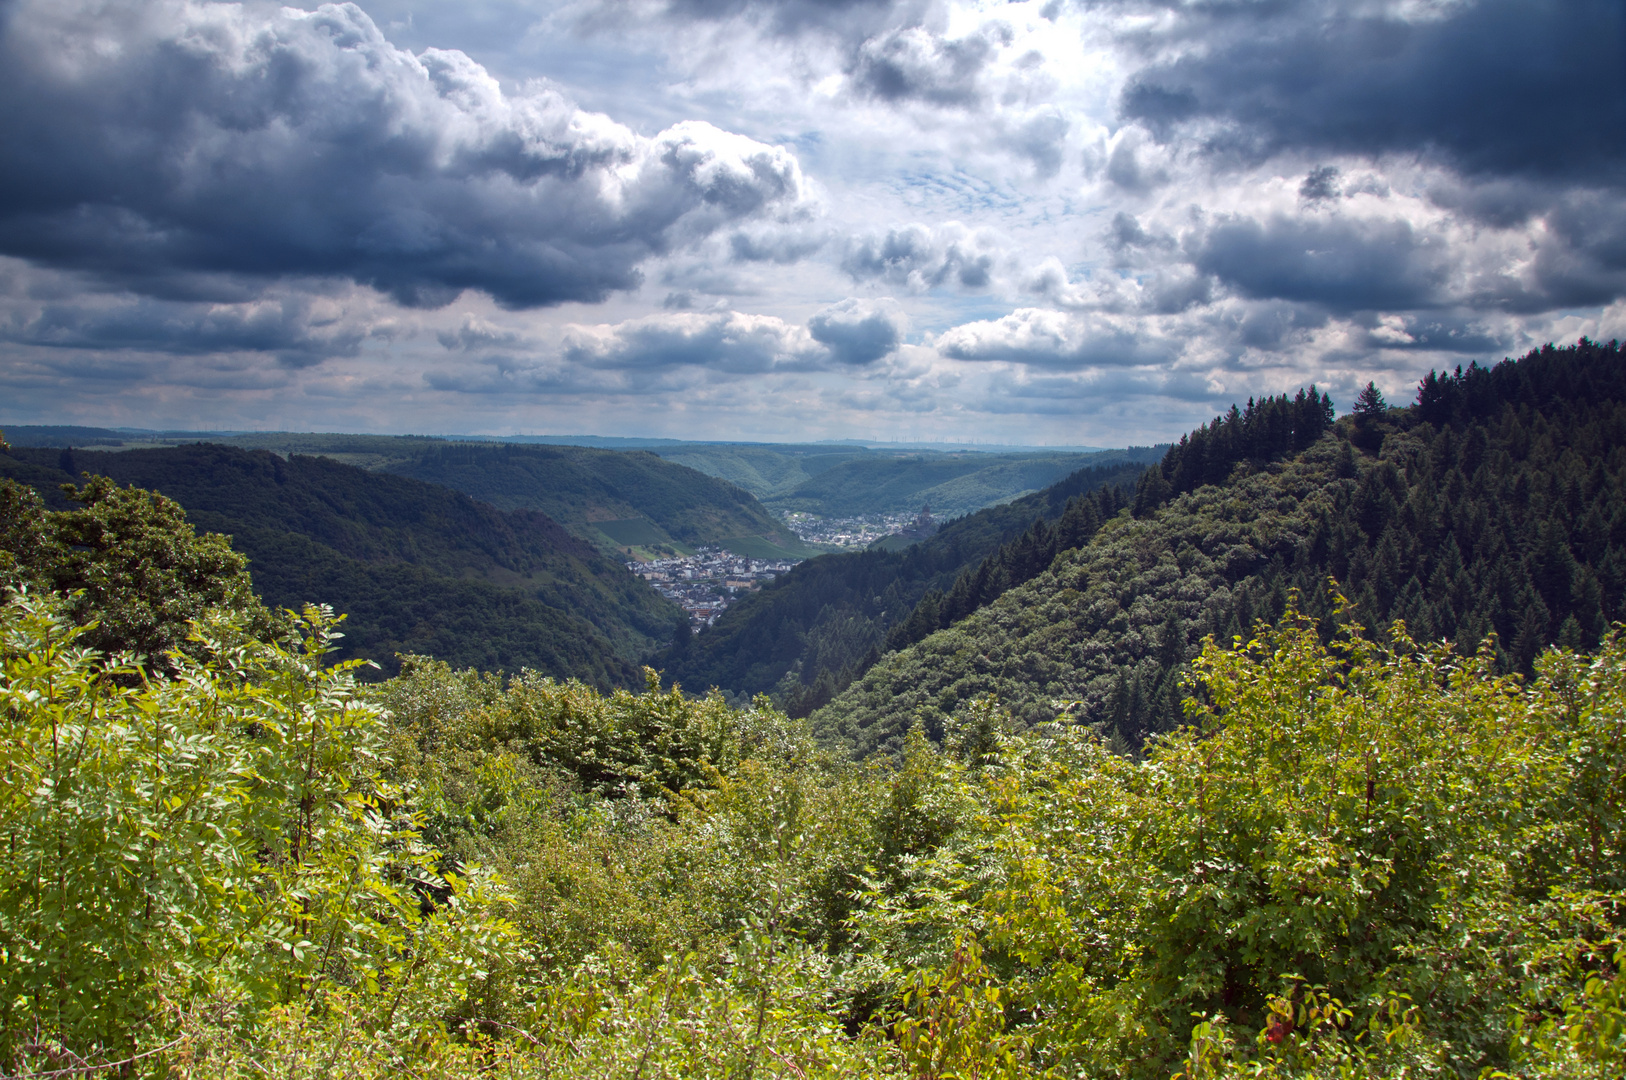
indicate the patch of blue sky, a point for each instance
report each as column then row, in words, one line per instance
column 945, row 310
column 958, row 192
column 515, row 42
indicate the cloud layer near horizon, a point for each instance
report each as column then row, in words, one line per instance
column 1041, row 222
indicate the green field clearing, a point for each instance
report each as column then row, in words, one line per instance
column 632, row 532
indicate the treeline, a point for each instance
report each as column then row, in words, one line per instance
column 810, row 633
column 1508, row 519
column 1264, row 431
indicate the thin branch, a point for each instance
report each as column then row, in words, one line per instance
column 80, row 1070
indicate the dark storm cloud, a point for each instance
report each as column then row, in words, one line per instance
column 287, row 329
column 913, row 64
column 168, row 146
column 846, row 18
column 1490, row 88
column 918, row 258
column 1321, row 184
column 856, row 332
column 1342, row 264
column 1501, row 202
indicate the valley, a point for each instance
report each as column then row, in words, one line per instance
column 1168, row 699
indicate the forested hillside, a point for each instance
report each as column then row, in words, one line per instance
column 418, row 568
column 612, row 497
column 953, row 484
column 1495, row 504
column 766, row 471
column 811, row 632
column 1359, row 854
column 834, row 480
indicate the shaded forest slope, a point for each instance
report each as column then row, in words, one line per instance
column 1496, row 504
column 418, row 568
column 592, row 490
column 580, row 487
column 813, row 630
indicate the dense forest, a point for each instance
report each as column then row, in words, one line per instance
column 1495, row 505
column 810, row 633
column 589, row 490
column 418, row 568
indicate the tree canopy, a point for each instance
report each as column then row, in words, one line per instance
column 129, row 562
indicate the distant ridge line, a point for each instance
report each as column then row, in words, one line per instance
column 76, row 434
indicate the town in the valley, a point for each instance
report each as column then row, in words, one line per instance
column 847, row 533
column 705, row 583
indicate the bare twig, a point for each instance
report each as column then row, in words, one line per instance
column 86, row 1067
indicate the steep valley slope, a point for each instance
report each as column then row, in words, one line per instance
column 418, row 568
column 618, row 499
column 1496, row 505
column 812, row 631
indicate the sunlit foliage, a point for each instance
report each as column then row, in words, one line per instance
column 1357, row 859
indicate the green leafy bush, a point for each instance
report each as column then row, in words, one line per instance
column 223, row 830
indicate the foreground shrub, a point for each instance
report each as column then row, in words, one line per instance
column 222, row 830
column 1357, row 860
column 1376, row 824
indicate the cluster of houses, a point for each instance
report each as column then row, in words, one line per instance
column 704, row 583
column 858, row 532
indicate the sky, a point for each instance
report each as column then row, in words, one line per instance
column 1091, row 222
